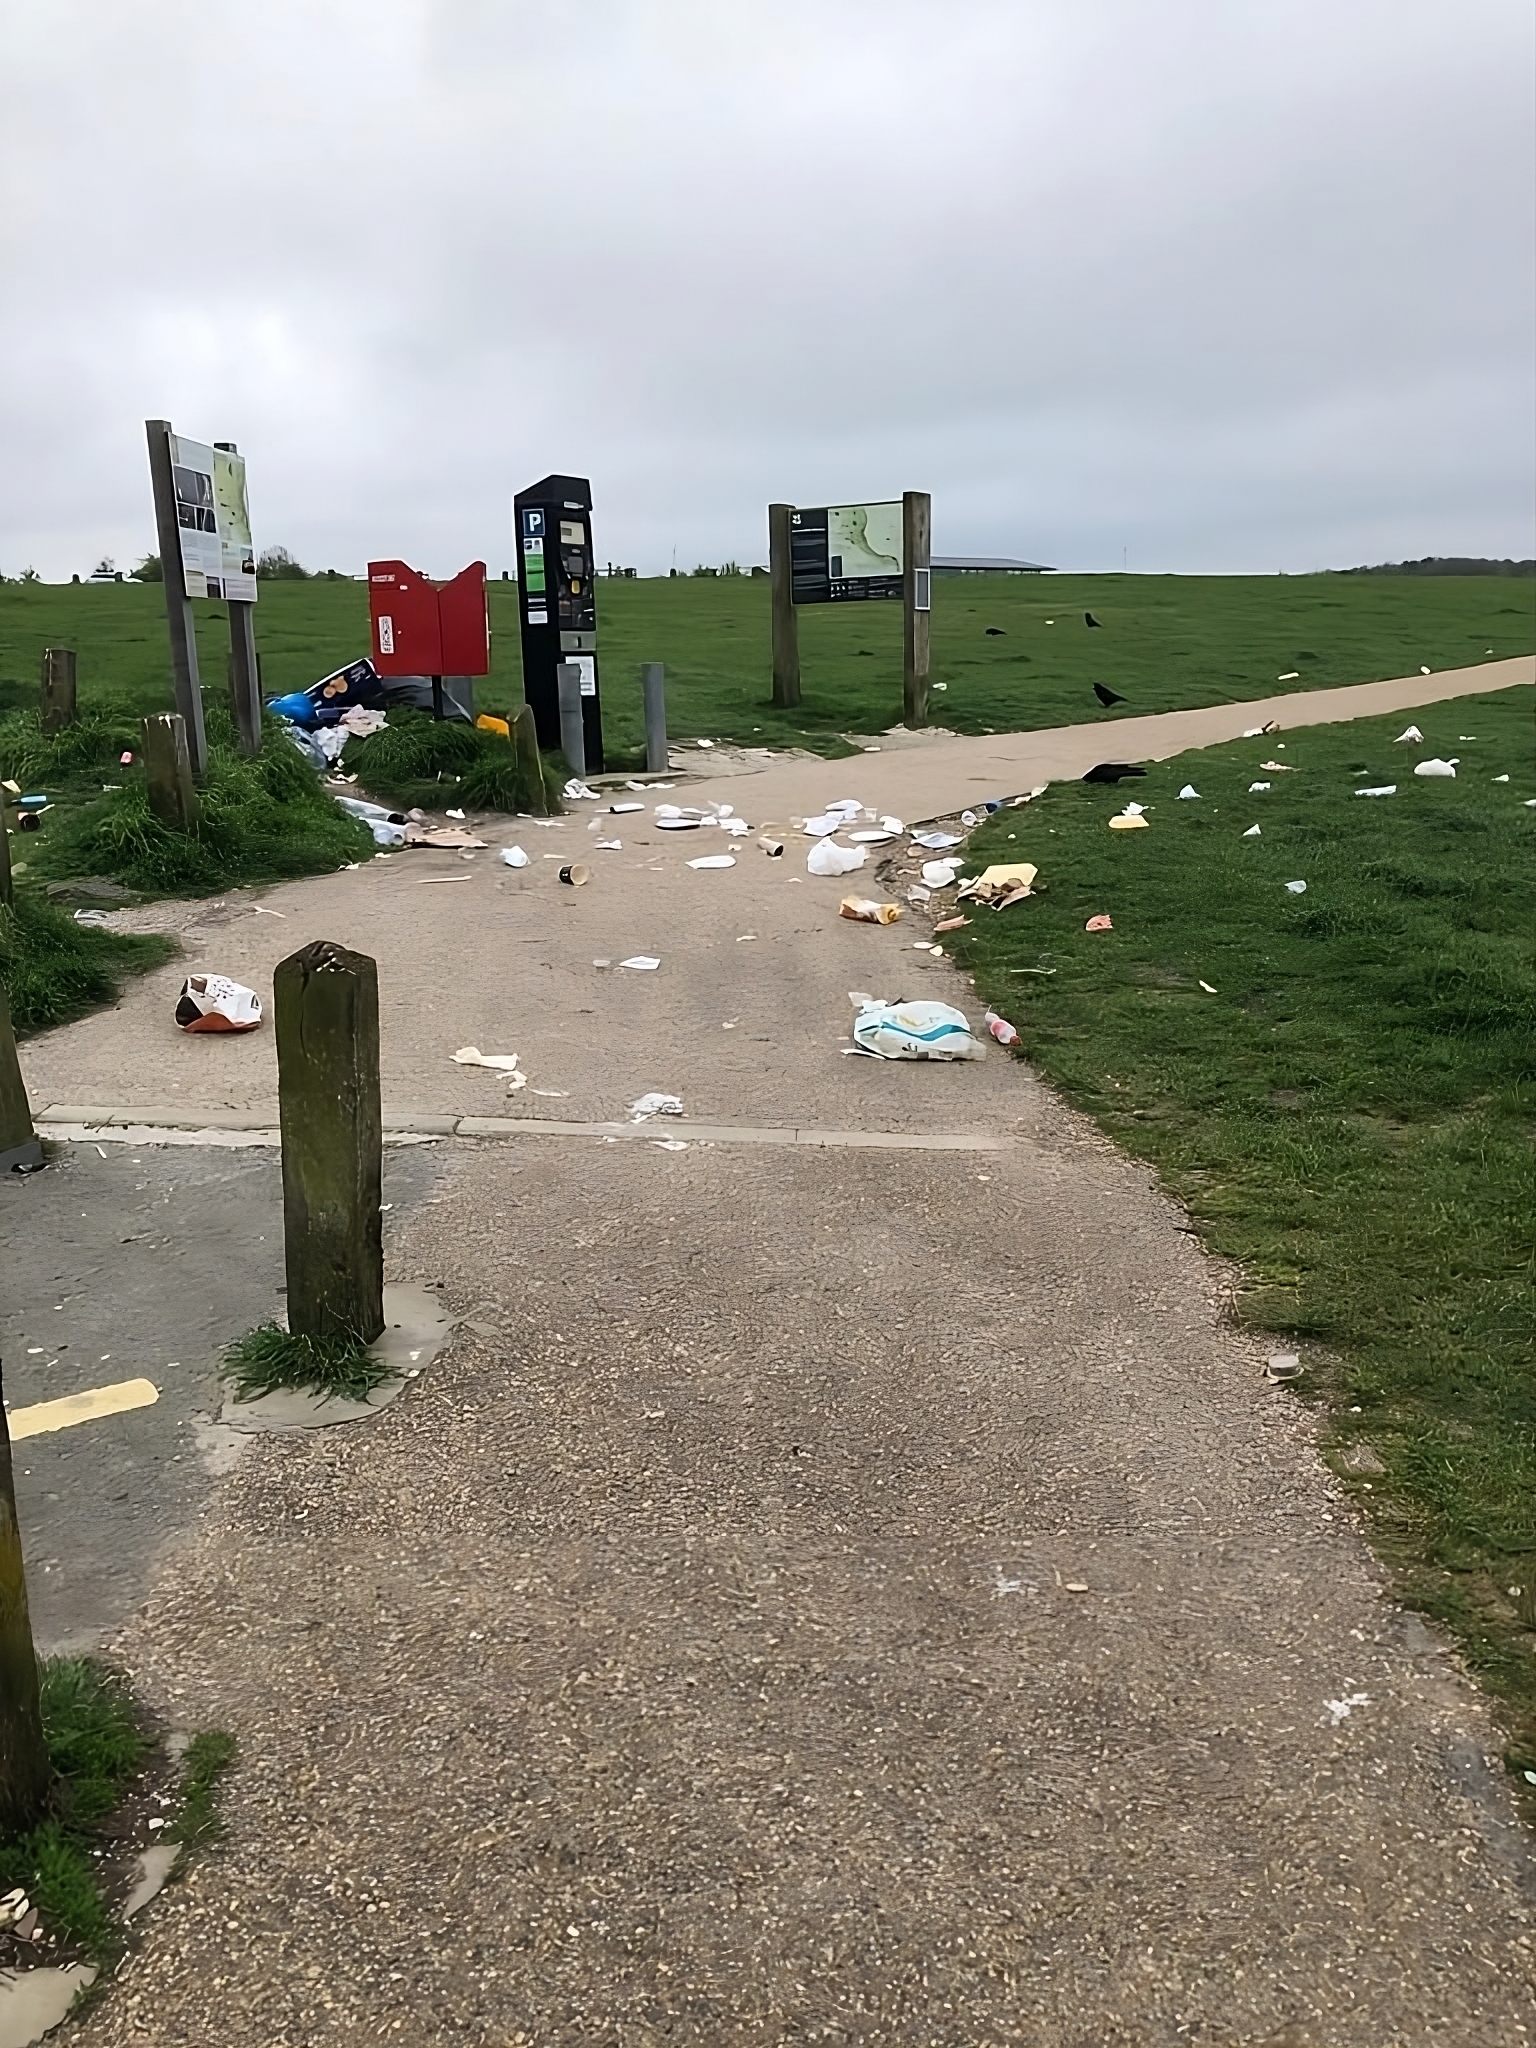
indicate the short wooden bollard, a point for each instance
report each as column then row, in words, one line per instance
column 168, row 770
column 19, row 1145
column 58, row 705
column 325, row 1007
column 7, row 885
column 525, row 738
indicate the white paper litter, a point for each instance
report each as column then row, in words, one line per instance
column 1436, row 767
column 938, row 874
column 1207, row 987
column 1386, row 789
column 641, row 962
column 678, row 824
column 655, row 1104
column 608, row 845
column 936, row 841
column 1252, row 832
column 1188, row 790
column 472, row 1056
column 576, row 791
column 822, row 827
column 1297, row 888
column 1412, row 733
column 455, row 814
column 891, row 825
column 1254, row 786
column 871, row 838
column 714, row 860
column 826, row 857
column 513, row 857
column 1501, row 778
column 618, row 808
column 1340, row 1709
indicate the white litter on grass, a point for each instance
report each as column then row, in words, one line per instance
column 714, row 860
column 655, row 1104
column 1292, row 675
column 1207, row 987
column 1133, row 810
column 1437, row 767
column 968, row 818
column 1386, row 789
column 1252, row 832
column 936, row 841
column 939, row 874
column 513, row 857
column 1412, row 734
column 1341, row 1709
column 1501, row 778
column 642, row 963
column 1254, row 787
column 1423, row 671
column 1188, row 790
column 1297, row 888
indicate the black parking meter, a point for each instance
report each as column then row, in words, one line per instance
column 557, row 606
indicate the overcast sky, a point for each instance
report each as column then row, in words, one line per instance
column 1200, row 285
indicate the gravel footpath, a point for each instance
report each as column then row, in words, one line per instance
column 847, row 1597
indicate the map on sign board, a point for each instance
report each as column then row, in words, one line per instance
column 214, row 521
column 839, row 552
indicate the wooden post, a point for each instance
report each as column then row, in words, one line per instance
column 916, row 594
column 786, row 627
column 653, row 682
column 525, row 739
column 19, row 1144
column 168, row 771
column 244, row 675
column 7, row 885
column 26, row 1776
column 178, row 606
column 58, row 708
column 325, row 1003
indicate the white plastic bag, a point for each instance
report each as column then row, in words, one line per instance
column 826, row 857
column 1438, row 768
column 915, row 1031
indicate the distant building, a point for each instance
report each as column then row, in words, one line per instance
column 986, row 565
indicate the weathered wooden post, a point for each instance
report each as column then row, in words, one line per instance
column 25, row 1773
column 325, row 1005
column 19, row 1144
column 178, row 606
column 244, row 674
column 525, row 741
column 786, row 627
column 653, row 679
column 7, row 885
column 58, row 707
column 168, row 770
column 916, row 599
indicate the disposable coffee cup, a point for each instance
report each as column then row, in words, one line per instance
column 575, row 875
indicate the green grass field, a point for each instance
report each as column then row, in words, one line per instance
column 1168, row 642
column 1350, row 1114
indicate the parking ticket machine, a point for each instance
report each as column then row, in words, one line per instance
column 557, row 604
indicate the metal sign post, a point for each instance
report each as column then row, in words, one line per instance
column 786, row 629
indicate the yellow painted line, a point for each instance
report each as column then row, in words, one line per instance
column 87, row 1407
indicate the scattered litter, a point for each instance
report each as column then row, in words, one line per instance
column 613, row 846
column 261, row 910
column 951, row 924
column 1423, row 671
column 1098, row 924
column 864, row 910
column 1030, row 794
column 772, row 847
column 450, row 836
column 211, row 1002
column 472, row 1056
column 552, row 1094
column 1208, row 989
column 939, row 874
column 820, row 828
column 1297, row 888
column 1340, row 1708
column 672, row 1144
column 619, row 809
column 1252, row 832
column 455, row 814
column 1187, row 791
column 655, row 1104
column 576, row 875
column 742, row 937
column 1279, row 767
column 1386, row 789
column 916, row 893
column 1292, row 675
column 714, row 860
column 872, row 838
column 576, row 791
column 1001, row 885
column 1412, row 733
column 1467, row 736
column 602, row 963
column 1501, row 778
column 1001, row 1029
column 936, row 841
column 826, row 857
column 892, row 825
column 915, row 1031
column 123, row 760
column 101, row 918
column 424, row 880
column 705, row 743
column 678, row 824
column 1075, row 1586
column 1254, row 787
column 1283, row 1365
column 1127, row 821
column 968, row 819
column 513, row 857
column 1436, row 767
column 642, row 963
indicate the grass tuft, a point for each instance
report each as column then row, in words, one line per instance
column 54, row 969
column 209, row 1755
column 270, row 1357
column 417, row 760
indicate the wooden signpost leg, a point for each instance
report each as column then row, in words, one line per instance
column 19, row 1144
column 786, row 627
column 916, row 529
column 58, row 707
column 178, row 606
column 326, row 1014
column 244, row 678
column 168, row 771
